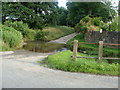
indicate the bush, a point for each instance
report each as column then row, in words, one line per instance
column 86, row 19
column 19, row 26
column 63, row 61
column 31, row 34
column 78, row 27
column 96, row 21
column 4, row 46
column 40, row 35
column 113, row 26
column 11, row 37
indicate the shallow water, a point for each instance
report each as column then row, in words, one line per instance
column 44, row 47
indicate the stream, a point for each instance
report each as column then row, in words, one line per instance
column 45, row 47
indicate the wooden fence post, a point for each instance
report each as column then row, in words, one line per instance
column 100, row 52
column 75, row 50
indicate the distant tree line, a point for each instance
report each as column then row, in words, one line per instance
column 41, row 14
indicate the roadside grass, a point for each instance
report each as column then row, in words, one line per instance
column 55, row 32
column 63, row 61
column 93, row 49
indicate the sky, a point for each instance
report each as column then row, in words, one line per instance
column 63, row 3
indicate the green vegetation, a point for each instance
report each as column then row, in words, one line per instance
column 78, row 10
column 96, row 21
column 36, row 14
column 93, row 49
column 19, row 26
column 114, row 25
column 4, row 46
column 89, row 24
column 40, row 35
column 57, row 32
column 11, row 38
column 63, row 61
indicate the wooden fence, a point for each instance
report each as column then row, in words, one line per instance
column 100, row 51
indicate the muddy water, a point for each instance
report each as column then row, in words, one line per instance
column 44, row 47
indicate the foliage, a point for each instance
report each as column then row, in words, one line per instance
column 89, row 24
column 35, row 14
column 63, row 61
column 62, row 16
column 4, row 46
column 78, row 27
column 114, row 25
column 55, row 32
column 11, row 37
column 31, row 34
column 40, row 35
column 96, row 21
column 19, row 26
column 84, row 28
column 86, row 19
column 78, row 10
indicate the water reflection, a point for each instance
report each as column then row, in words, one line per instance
column 44, row 47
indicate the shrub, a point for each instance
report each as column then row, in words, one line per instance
column 40, row 35
column 19, row 26
column 63, row 61
column 11, row 36
column 86, row 19
column 4, row 46
column 113, row 26
column 84, row 28
column 96, row 21
column 31, row 34
column 78, row 27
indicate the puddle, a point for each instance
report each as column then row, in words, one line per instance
column 45, row 47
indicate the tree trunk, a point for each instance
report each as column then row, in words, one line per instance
column 90, row 12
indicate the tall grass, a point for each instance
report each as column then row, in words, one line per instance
column 55, row 32
column 10, row 37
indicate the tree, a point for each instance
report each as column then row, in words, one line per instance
column 78, row 10
column 36, row 14
column 119, row 16
column 62, row 16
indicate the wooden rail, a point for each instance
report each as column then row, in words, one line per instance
column 100, row 51
column 98, row 43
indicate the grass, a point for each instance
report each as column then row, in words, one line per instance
column 55, row 32
column 93, row 49
column 63, row 61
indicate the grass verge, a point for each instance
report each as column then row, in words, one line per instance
column 63, row 61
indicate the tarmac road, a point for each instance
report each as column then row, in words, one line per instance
column 21, row 70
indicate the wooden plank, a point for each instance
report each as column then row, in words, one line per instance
column 110, row 58
column 75, row 49
column 86, row 43
column 110, row 44
column 100, row 52
column 85, row 57
column 97, row 43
